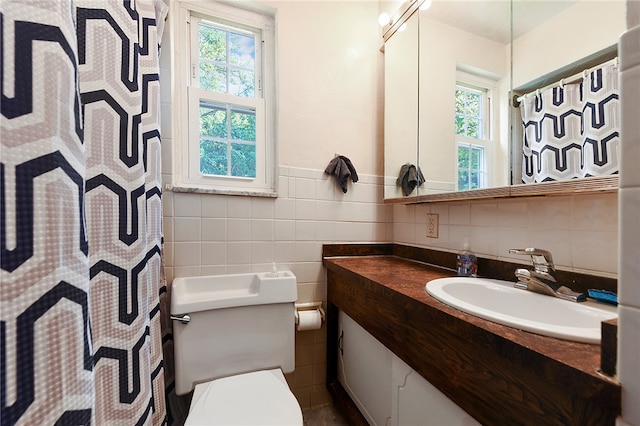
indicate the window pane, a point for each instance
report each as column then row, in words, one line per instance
column 473, row 104
column 213, row 77
column 473, row 127
column 243, row 125
column 213, row 121
column 470, row 119
column 463, row 157
column 212, row 43
column 241, row 83
column 460, row 101
column 475, row 180
column 242, row 50
column 476, row 157
column 227, row 60
column 459, row 125
column 243, row 160
column 213, row 157
column 469, row 112
column 463, row 179
column 220, row 125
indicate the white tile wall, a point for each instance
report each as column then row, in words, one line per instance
column 629, row 212
column 629, row 241
column 218, row 234
column 581, row 231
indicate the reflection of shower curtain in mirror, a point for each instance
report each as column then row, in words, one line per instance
column 572, row 131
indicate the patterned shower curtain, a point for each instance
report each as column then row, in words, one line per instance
column 601, row 123
column 572, row 131
column 81, row 277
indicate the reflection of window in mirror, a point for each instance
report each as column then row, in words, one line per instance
column 473, row 131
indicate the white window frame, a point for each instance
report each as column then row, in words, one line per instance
column 187, row 96
column 489, row 124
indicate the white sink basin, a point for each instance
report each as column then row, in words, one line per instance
column 500, row 302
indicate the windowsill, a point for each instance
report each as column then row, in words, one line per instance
column 221, row 191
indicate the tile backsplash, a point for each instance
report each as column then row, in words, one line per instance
column 581, row 231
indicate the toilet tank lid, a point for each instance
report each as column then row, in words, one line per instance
column 194, row 294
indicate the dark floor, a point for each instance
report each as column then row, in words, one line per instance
column 325, row 416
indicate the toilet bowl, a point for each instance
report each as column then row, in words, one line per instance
column 258, row 398
column 234, row 338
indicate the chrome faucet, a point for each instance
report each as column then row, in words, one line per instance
column 542, row 279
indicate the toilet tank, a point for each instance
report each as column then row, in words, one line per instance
column 237, row 324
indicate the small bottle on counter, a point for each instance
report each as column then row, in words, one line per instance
column 467, row 262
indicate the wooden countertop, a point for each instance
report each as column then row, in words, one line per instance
column 525, row 378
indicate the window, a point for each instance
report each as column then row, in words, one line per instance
column 472, row 127
column 224, row 140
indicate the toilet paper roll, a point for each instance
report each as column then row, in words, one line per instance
column 309, row 320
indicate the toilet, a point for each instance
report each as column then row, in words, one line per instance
column 234, row 338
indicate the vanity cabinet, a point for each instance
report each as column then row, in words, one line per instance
column 384, row 388
column 497, row 374
column 509, row 48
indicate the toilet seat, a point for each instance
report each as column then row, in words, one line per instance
column 258, row 398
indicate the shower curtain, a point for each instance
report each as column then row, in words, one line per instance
column 572, row 131
column 81, row 278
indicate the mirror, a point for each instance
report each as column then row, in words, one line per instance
column 464, row 73
column 401, row 82
column 589, row 50
column 470, row 42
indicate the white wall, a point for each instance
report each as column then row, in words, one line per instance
column 633, row 14
column 329, row 80
column 568, row 37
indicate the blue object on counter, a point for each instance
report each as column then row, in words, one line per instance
column 603, row 296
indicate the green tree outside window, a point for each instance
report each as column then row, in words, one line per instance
column 227, row 134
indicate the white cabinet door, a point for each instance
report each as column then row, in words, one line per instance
column 364, row 370
column 385, row 389
column 418, row 402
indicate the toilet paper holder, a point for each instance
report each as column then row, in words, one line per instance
column 309, row 306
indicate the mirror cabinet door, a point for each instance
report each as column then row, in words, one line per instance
column 456, row 49
column 556, row 83
column 400, row 104
column 463, row 77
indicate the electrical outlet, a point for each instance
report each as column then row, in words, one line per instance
column 432, row 225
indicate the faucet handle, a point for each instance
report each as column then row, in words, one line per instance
column 541, row 259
